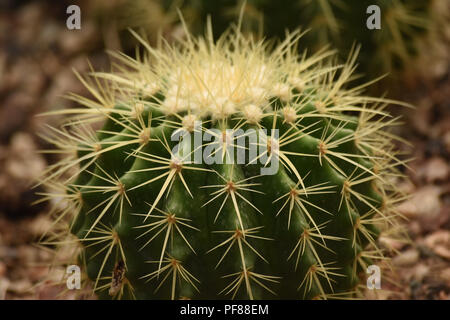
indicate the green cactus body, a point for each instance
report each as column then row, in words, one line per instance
column 155, row 223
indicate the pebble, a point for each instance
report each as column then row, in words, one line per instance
column 2, row 269
column 436, row 169
column 446, row 140
column 445, row 275
column 406, row 258
column 391, row 244
column 20, row 286
column 72, row 42
column 4, row 284
column 439, row 242
column 425, row 204
column 420, row 272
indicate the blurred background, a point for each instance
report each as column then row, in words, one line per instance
column 38, row 54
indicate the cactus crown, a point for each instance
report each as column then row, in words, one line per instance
column 150, row 221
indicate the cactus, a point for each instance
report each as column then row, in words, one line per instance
column 149, row 220
column 392, row 48
column 387, row 50
column 404, row 23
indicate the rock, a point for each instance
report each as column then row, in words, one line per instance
column 420, row 272
column 24, row 162
column 16, row 108
column 424, row 204
column 72, row 42
column 439, row 242
column 391, row 244
column 29, row 21
column 20, row 286
column 40, row 225
column 436, row 169
column 64, row 82
column 406, row 258
column 2, row 269
column 29, row 77
column 49, row 33
column 422, row 115
column 445, row 275
column 2, row 68
column 22, row 166
column 446, row 141
column 7, row 253
column 4, row 284
column 51, row 64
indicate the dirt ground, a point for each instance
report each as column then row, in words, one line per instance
column 37, row 55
